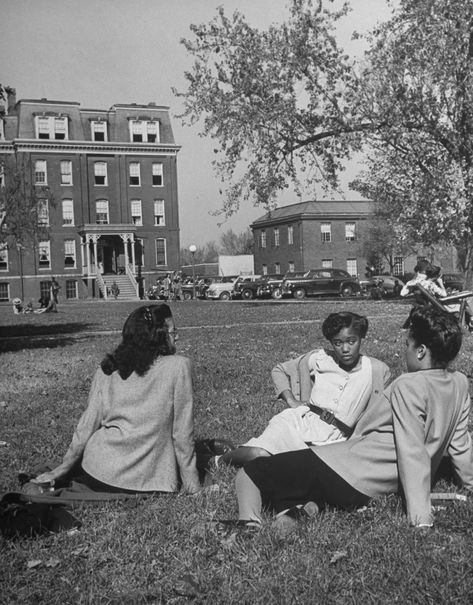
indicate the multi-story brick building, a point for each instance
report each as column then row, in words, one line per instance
column 310, row 235
column 112, row 177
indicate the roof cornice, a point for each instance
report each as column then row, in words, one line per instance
column 313, row 216
column 63, row 146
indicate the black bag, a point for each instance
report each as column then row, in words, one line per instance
column 22, row 519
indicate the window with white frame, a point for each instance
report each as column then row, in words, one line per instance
column 291, row 266
column 136, row 213
column 277, row 267
column 3, row 257
column 101, row 212
column 99, row 130
column 71, row 288
column 398, row 268
column 100, row 173
column 135, row 177
column 43, row 213
column 69, row 253
column 352, row 266
column 263, row 239
column 265, row 269
column 326, row 232
column 2, row 130
column 67, row 212
column 51, row 127
column 4, row 291
column 327, row 263
column 157, row 175
column 66, row 172
column 45, row 289
column 142, row 131
column 44, row 252
column 161, row 252
column 159, row 217
column 40, row 172
column 276, row 237
column 290, row 234
column 349, row 232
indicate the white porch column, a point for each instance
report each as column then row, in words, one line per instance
column 87, row 243
column 82, row 255
column 95, row 239
column 133, row 260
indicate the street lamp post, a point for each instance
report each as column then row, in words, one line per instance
column 192, row 250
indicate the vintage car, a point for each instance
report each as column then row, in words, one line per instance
column 221, row 288
column 270, row 286
column 246, row 286
column 319, row 282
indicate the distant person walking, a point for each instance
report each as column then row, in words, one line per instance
column 115, row 290
column 55, row 287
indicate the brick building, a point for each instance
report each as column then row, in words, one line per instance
column 310, row 235
column 112, row 177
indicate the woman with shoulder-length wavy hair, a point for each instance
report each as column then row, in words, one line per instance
column 136, row 434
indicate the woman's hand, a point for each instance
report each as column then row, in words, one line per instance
column 48, row 478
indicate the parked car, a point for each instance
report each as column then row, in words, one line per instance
column 222, row 288
column 270, row 286
column 201, row 285
column 389, row 285
column 453, row 282
column 246, row 286
column 317, row 282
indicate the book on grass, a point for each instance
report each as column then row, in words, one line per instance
column 448, row 496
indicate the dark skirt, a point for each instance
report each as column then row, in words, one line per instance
column 293, row 478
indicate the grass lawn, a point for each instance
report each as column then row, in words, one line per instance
column 168, row 549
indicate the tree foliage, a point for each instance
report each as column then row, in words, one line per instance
column 230, row 243
column 279, row 102
column 419, row 87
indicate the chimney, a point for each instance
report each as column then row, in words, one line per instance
column 11, row 99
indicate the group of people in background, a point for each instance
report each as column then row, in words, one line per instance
column 47, row 302
column 168, row 287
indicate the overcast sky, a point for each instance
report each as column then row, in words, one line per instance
column 101, row 52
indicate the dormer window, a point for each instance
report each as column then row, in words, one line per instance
column 51, row 127
column 144, row 131
column 99, row 130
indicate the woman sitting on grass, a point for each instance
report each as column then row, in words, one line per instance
column 400, row 440
column 136, row 434
column 326, row 391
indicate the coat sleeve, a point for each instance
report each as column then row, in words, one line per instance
column 460, row 448
column 408, row 407
column 88, row 423
column 183, row 427
column 286, row 376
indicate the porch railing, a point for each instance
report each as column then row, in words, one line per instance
column 129, row 272
column 101, row 284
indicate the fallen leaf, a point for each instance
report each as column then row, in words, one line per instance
column 52, row 562
column 230, row 541
column 33, row 564
column 188, row 586
column 339, row 554
column 78, row 552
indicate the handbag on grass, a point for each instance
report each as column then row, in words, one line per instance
column 23, row 519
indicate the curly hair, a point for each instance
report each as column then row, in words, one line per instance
column 144, row 339
column 439, row 331
column 345, row 319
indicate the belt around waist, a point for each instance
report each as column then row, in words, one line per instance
column 329, row 417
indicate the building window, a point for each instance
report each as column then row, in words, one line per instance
column 3, row 257
column 40, row 172
column 50, row 127
column 327, row 263
column 135, row 178
column 263, row 239
column 290, row 234
column 291, row 267
column 101, row 212
column 69, row 253
column 144, row 131
column 265, row 269
column 159, row 218
column 350, row 232
column 326, row 232
column 398, row 268
column 161, row 252
column 2, row 130
column 67, row 212
column 100, row 173
column 66, row 172
column 352, row 267
column 71, row 288
column 43, row 213
column 45, row 289
column 44, row 255
column 158, row 180
column 99, row 131
column 276, row 237
column 277, row 267
column 4, row 291
column 136, row 215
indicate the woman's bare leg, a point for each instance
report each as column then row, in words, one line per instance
column 243, row 454
column 249, row 498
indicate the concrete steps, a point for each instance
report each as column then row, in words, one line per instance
column 127, row 290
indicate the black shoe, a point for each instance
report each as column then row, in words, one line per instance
column 216, row 447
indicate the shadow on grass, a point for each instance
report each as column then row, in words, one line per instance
column 29, row 329
column 10, row 345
